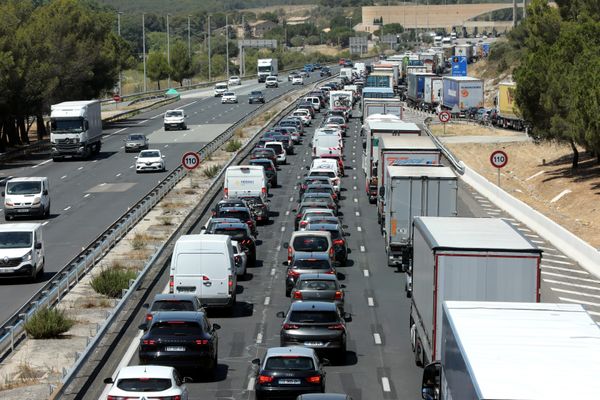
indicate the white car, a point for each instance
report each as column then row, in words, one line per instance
column 271, row 81
column 147, row 381
column 174, row 119
column 150, row 160
column 240, row 257
column 280, row 154
column 297, row 80
column 229, row 97
column 221, row 88
column 234, row 81
column 304, row 116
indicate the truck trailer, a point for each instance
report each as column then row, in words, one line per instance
column 432, row 92
column 76, row 129
column 412, row 191
column 515, row 351
column 471, row 259
column 506, row 108
column 266, row 67
column 462, row 92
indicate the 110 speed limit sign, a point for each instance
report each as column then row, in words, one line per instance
column 499, row 159
column 190, row 160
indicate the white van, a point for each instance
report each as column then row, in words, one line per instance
column 26, row 197
column 221, row 88
column 325, row 143
column 315, row 101
column 245, row 181
column 326, row 163
column 21, row 250
column 203, row 265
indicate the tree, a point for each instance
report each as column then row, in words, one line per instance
column 181, row 63
column 390, row 29
column 269, row 16
column 157, row 67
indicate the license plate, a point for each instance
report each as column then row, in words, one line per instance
column 23, row 210
column 289, row 381
column 175, row 348
column 186, row 288
column 315, row 344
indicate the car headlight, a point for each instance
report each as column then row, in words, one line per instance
column 36, row 200
column 27, row 256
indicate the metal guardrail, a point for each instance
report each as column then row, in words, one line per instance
column 456, row 164
column 12, row 331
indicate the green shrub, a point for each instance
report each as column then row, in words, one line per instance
column 48, row 323
column 212, row 171
column 111, row 281
column 233, row 145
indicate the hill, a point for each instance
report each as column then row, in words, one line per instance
column 194, row 6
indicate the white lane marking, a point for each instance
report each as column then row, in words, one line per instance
column 575, row 285
column 538, row 241
column 282, row 228
column 353, row 187
column 287, row 212
column 166, row 145
column 377, row 338
column 45, row 223
column 119, row 131
column 156, row 116
column 385, row 382
column 259, row 338
column 292, row 198
column 42, row 163
column 273, row 271
column 278, row 248
column 358, row 228
column 558, row 261
column 141, row 122
column 534, row 175
column 80, row 168
column 67, row 209
column 357, row 214
column 524, row 229
column 189, row 104
column 370, row 302
column 493, row 213
column 63, row 177
column 546, row 248
column 118, row 175
column 531, row 235
column 593, row 312
column 569, row 300
column 354, row 177
column 95, row 161
column 355, row 200
column 298, row 176
column 362, row 249
column 366, row 273
column 250, row 386
column 565, row 269
column 560, row 195
column 103, row 183
column 595, row 296
column 555, row 255
column 575, row 278
column 86, row 195
column 267, row 300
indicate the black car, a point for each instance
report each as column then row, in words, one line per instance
column 226, row 203
column 242, row 213
column 256, row 96
column 325, row 71
column 270, row 169
column 289, row 372
column 214, row 221
column 263, row 152
column 317, row 66
column 309, row 180
column 318, row 325
column 321, row 188
column 302, row 207
column 181, row 339
column 171, row 302
column 259, row 208
column 238, row 231
column 290, row 121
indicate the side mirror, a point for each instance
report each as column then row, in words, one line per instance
column 431, row 381
column 286, row 245
column 38, row 245
column 280, row 314
column 3, row 193
column 203, row 228
column 347, row 317
column 143, row 327
column 45, row 192
column 325, row 361
column 146, row 305
column 216, row 327
column 345, row 226
column 307, row 168
column 256, row 361
column 108, row 381
column 342, row 286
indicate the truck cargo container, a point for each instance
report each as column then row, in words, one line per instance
column 416, row 87
column 266, row 67
column 432, row 92
column 475, row 259
column 76, row 129
column 383, row 81
column 412, row 191
column 402, row 150
column 373, row 106
column 515, row 351
column 462, row 92
column 506, row 108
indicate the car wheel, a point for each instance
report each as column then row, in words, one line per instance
column 288, row 292
column 7, row 217
column 47, row 213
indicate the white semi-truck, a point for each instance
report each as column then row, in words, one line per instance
column 76, row 129
column 266, row 67
column 467, row 259
column 515, row 351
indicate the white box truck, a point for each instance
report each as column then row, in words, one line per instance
column 402, row 150
column 515, row 351
column 432, row 92
column 76, row 129
column 412, row 191
column 471, row 259
column 462, row 92
column 266, row 67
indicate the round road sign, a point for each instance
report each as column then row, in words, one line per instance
column 444, row 116
column 499, row 159
column 116, row 98
column 190, row 160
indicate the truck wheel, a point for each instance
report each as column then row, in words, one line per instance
column 418, row 353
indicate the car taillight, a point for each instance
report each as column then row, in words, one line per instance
column 226, row 192
column 339, row 242
column 289, row 254
column 303, row 224
column 264, row 190
column 265, row 379
column 289, row 326
column 293, row 274
column 330, row 272
column 250, row 223
column 331, row 252
column 334, row 196
column 201, row 342
column 237, row 258
column 230, row 284
column 171, row 284
column 339, row 295
column 336, row 327
column 246, row 242
column 205, row 278
column 314, row 379
column 149, row 342
column 297, row 295
column 148, row 317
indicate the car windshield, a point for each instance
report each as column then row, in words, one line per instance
column 144, row 384
column 319, row 317
column 15, row 240
column 174, row 114
column 310, row 243
column 173, row 305
column 326, row 190
column 229, row 94
column 23, row 187
column 311, row 263
column 149, row 154
column 317, row 285
column 235, row 233
column 221, row 86
column 256, row 93
column 136, row 137
column 267, row 165
column 176, row 328
column 289, row 363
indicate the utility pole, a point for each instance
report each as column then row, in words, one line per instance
column 119, row 58
column 514, row 13
column 189, row 39
column 209, row 60
column 144, row 48
column 524, row 8
column 168, row 53
column 227, row 45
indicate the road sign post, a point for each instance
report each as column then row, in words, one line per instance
column 444, row 117
column 190, row 161
column 498, row 159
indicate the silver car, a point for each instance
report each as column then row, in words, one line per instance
column 136, row 142
column 319, row 287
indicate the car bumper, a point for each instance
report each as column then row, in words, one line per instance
column 36, row 210
column 225, row 101
column 141, row 168
column 328, row 344
column 24, row 269
column 287, row 392
column 184, row 360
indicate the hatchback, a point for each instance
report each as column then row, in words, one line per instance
column 307, row 263
column 240, row 232
column 309, row 243
column 171, row 302
column 270, row 169
column 319, row 287
column 147, row 381
column 242, row 213
column 340, row 247
column 263, row 152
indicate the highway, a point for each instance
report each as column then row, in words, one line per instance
column 379, row 363
column 87, row 196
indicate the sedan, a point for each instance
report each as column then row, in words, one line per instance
column 150, row 160
column 319, row 287
column 149, row 381
column 317, row 325
column 234, row 81
column 289, row 372
column 256, row 96
column 171, row 302
column 136, row 142
column 229, row 97
column 297, row 80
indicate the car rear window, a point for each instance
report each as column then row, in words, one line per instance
column 311, row 264
column 335, row 234
column 241, row 215
column 234, row 233
column 325, row 190
column 144, row 384
column 290, row 363
column 328, row 174
column 173, row 305
column 277, row 147
column 317, row 285
column 176, row 328
column 318, row 317
column 310, row 243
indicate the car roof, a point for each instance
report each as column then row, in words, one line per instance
column 237, row 225
column 321, row 210
column 311, row 233
column 261, row 160
column 319, row 186
column 307, row 255
column 173, row 297
column 217, row 220
column 319, row 226
column 244, row 208
column 19, row 227
column 145, row 371
column 188, row 316
column 313, row 306
column 321, row 277
column 291, row 350
column 28, row 179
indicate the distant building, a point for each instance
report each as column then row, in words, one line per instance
column 260, row 27
column 297, row 20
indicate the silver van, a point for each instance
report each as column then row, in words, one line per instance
column 26, row 197
column 21, row 250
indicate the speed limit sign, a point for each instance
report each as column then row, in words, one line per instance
column 190, row 160
column 444, row 116
column 499, row 159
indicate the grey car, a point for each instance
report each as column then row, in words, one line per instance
column 136, row 142
column 319, row 287
column 315, row 324
column 171, row 302
column 307, row 263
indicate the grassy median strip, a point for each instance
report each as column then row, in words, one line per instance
column 112, row 280
column 48, row 323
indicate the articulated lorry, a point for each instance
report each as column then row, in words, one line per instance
column 471, row 259
column 515, row 351
column 462, row 92
column 76, row 129
column 266, row 67
column 412, row 191
column 432, row 92
column 506, row 108
column 380, row 101
column 416, row 88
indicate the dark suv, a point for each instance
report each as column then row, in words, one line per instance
column 242, row 213
column 259, row 208
column 256, row 96
column 171, row 302
column 181, row 339
column 270, row 169
column 238, row 231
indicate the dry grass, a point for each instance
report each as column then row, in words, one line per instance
column 26, row 375
column 95, row 303
column 140, row 240
column 172, row 205
column 239, row 133
column 471, row 129
column 166, row 221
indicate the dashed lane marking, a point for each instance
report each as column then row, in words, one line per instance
column 283, row 229
column 250, row 386
column 377, row 338
column 86, row 195
column 366, row 273
column 385, row 382
column 574, row 278
column 358, row 228
column 370, row 302
column 357, row 213
column 588, row 303
column 267, row 300
column 259, row 338
column 575, row 285
column 273, row 271
column 67, row 208
column 362, row 249
column 594, row 296
column 63, row 177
